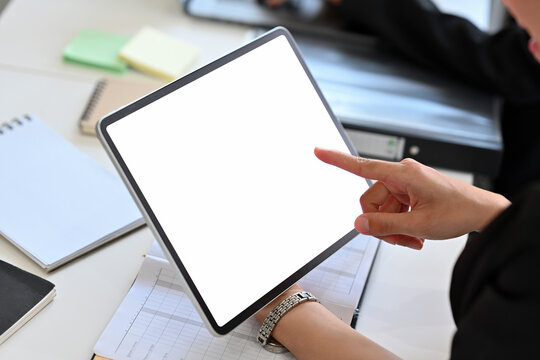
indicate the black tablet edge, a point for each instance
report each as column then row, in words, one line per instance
column 354, row 319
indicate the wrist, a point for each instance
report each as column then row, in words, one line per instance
column 263, row 313
column 491, row 209
column 266, row 332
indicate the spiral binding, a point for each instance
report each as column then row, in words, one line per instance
column 10, row 125
column 100, row 86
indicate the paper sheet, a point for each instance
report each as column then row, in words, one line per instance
column 156, row 320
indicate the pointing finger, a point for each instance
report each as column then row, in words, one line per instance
column 367, row 168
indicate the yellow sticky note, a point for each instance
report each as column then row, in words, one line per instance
column 158, row 54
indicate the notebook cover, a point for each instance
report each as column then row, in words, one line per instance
column 97, row 48
column 21, row 292
column 61, row 203
column 109, row 95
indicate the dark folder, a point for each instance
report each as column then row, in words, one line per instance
column 392, row 108
column 23, row 295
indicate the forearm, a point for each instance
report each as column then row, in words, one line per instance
column 312, row 332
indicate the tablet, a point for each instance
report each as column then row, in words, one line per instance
column 221, row 164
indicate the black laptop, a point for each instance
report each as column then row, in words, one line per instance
column 314, row 17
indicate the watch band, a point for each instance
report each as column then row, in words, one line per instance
column 265, row 332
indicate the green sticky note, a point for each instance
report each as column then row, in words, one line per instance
column 159, row 54
column 97, row 48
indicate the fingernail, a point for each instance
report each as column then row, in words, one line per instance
column 415, row 246
column 362, row 225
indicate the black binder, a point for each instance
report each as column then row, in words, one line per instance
column 393, row 109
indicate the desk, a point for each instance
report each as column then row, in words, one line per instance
column 405, row 308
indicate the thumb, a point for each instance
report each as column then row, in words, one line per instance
column 382, row 224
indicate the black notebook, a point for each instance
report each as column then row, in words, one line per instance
column 22, row 296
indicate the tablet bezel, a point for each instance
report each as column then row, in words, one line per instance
column 153, row 222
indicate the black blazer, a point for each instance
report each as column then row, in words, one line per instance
column 495, row 291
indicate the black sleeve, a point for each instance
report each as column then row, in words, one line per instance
column 495, row 291
column 499, row 63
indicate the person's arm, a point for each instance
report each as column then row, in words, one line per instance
column 499, row 63
column 311, row 332
column 411, row 202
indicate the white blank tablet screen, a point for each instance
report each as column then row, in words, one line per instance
column 226, row 164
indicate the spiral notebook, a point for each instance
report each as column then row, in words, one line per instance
column 57, row 203
column 109, row 95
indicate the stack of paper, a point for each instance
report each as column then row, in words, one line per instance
column 159, row 54
column 97, row 48
column 149, row 51
column 157, row 321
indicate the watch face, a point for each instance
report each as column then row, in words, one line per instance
column 222, row 165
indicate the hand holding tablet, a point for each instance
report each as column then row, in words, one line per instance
column 221, row 165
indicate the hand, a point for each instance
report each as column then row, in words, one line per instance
column 411, row 202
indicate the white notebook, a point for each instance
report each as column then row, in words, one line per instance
column 57, row 203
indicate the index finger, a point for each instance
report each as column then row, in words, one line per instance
column 366, row 168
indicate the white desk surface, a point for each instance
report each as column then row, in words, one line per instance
column 405, row 307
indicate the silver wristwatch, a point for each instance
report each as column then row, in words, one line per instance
column 264, row 338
